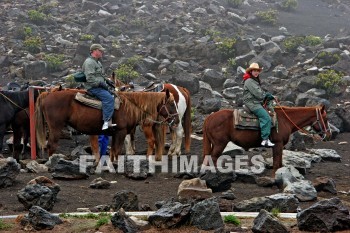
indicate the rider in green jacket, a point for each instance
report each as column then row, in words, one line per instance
column 253, row 97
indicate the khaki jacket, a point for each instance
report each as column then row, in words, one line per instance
column 253, row 95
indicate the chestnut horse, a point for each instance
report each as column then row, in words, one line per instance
column 218, row 130
column 60, row 109
column 183, row 102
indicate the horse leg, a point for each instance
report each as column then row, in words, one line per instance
column 171, row 150
column 117, row 145
column 95, row 147
column 216, row 152
column 52, row 142
column 147, row 130
column 2, row 133
column 179, row 132
column 277, row 152
column 17, row 135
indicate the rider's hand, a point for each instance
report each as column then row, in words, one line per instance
column 269, row 96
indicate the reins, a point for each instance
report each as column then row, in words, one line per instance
column 318, row 113
column 11, row 101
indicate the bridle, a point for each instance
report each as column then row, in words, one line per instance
column 170, row 116
column 324, row 129
column 319, row 122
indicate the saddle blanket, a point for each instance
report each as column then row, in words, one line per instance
column 247, row 120
column 95, row 103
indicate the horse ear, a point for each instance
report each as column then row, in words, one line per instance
column 323, row 108
column 167, row 93
column 60, row 88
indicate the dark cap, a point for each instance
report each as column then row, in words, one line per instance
column 96, row 46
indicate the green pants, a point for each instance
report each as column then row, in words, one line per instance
column 264, row 121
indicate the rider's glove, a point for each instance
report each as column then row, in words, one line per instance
column 269, row 96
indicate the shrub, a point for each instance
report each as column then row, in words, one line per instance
column 102, row 221
column 212, row 34
column 232, row 219
column 86, row 37
column 327, row 58
column 312, row 40
column 269, row 16
column 126, row 73
column 226, row 46
column 132, row 61
column 275, row 212
column 27, row 31
column 329, row 81
column 36, row 16
column 292, row 43
column 234, row 3
column 4, row 225
column 33, row 44
column 54, row 61
column 289, row 4
column 231, row 62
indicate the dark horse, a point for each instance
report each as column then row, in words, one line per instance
column 218, row 130
column 60, row 109
column 11, row 103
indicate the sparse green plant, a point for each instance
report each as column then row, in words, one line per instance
column 329, row 81
column 132, row 61
column 33, row 44
column 289, row 4
column 291, row 44
column 193, row 113
column 268, row 16
column 102, row 221
column 86, row 216
column 212, row 34
column 327, row 58
column 47, row 7
column 4, row 225
column 226, row 46
column 36, row 16
column 138, row 22
column 312, row 40
column 27, row 31
column 231, row 62
column 232, row 219
column 275, row 212
column 54, row 61
column 126, row 73
column 86, row 37
column 234, row 3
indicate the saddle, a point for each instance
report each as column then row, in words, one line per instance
column 91, row 101
column 245, row 119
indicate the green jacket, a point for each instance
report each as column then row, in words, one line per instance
column 94, row 73
column 253, row 95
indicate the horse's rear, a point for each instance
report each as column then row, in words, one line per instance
column 218, row 130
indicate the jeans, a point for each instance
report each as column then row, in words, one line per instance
column 264, row 121
column 107, row 101
column 103, row 143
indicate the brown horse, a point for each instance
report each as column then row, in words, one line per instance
column 183, row 103
column 60, row 109
column 218, row 130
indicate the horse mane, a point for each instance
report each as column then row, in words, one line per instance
column 140, row 105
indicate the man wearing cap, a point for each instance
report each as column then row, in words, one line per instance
column 96, row 83
column 253, row 97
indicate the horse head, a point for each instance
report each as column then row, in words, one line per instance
column 321, row 125
column 168, row 110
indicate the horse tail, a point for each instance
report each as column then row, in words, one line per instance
column 187, row 122
column 159, row 131
column 207, row 147
column 40, row 121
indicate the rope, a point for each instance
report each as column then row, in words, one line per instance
column 303, row 130
column 11, row 101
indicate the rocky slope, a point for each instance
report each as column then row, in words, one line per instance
column 202, row 45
